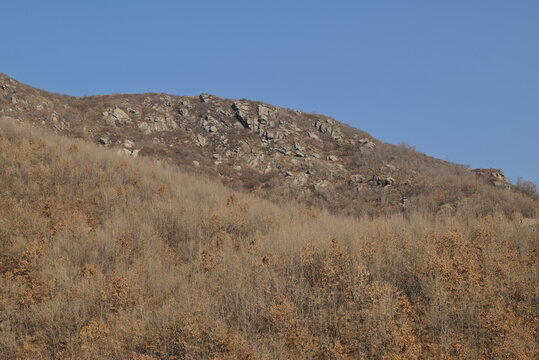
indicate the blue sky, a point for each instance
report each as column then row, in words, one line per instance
column 458, row 80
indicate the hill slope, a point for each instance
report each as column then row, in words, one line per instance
column 107, row 257
column 274, row 152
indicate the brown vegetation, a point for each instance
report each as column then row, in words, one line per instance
column 275, row 153
column 107, row 257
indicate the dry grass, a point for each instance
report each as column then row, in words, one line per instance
column 106, row 257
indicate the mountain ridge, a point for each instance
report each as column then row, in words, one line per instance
column 104, row 256
column 274, row 152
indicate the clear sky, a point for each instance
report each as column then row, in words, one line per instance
column 458, row 80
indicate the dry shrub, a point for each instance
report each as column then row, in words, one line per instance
column 107, row 258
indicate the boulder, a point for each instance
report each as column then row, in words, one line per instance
column 243, row 115
column 204, row 97
column 121, row 116
column 495, row 176
column 381, row 181
column 201, row 140
column 209, row 124
column 129, row 144
column 104, row 140
column 366, row 145
column 263, row 113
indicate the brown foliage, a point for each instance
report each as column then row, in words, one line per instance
column 107, row 258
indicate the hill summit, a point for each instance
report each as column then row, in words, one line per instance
column 107, row 251
column 274, row 152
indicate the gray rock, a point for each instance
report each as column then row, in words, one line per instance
column 201, row 140
column 263, row 113
column 243, row 115
column 366, row 144
column 381, row 181
column 204, row 97
column 103, row 140
column 356, row 178
column 119, row 114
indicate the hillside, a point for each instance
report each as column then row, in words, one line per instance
column 270, row 151
column 103, row 256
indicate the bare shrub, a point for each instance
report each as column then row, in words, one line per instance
column 105, row 257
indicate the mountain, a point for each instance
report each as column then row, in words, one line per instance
column 150, row 226
column 273, row 152
column 103, row 256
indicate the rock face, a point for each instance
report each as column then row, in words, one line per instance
column 263, row 113
column 494, row 176
column 249, row 145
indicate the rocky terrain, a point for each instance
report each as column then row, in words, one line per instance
column 275, row 152
column 121, row 238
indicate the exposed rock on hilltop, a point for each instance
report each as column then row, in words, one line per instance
column 495, row 176
column 253, row 146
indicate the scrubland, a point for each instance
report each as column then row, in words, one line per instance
column 108, row 257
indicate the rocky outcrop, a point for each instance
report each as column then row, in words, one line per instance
column 243, row 114
column 329, row 127
column 382, row 181
column 204, row 97
column 263, row 113
column 494, row 176
column 104, row 140
column 245, row 144
column 116, row 117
